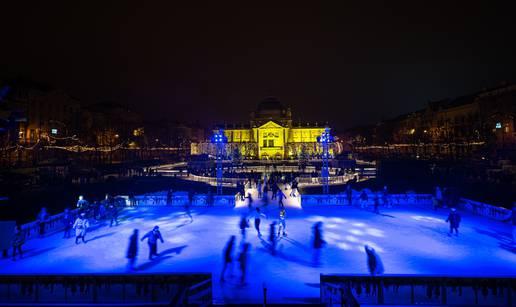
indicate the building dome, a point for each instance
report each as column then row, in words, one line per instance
column 270, row 107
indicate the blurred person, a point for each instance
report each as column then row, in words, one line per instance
column 132, row 250
column 42, row 220
column 18, row 241
column 282, row 222
column 242, row 259
column 257, row 219
column 152, row 240
column 454, row 220
column 228, row 257
column 81, row 226
column 67, row 223
column 317, row 243
column 374, row 263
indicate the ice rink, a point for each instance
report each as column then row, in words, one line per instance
column 409, row 240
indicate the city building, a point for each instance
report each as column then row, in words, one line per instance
column 38, row 112
column 270, row 134
column 466, row 126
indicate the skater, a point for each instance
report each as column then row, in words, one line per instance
column 318, row 243
column 374, row 264
column 42, row 221
column 294, row 188
column 376, row 203
column 439, row 196
column 282, row 221
column 187, row 205
column 68, row 223
column 259, row 188
column 435, row 203
column 257, row 219
column 113, row 214
column 454, row 220
column 244, row 223
column 242, row 258
column 82, row 204
column 349, row 194
column 363, row 199
column 18, row 240
column 81, row 226
column 265, row 194
column 250, row 201
column 152, row 240
column 280, row 196
column 228, row 257
column 386, row 199
column 272, row 237
column 209, row 198
column 169, row 197
column 132, row 251
column 274, row 191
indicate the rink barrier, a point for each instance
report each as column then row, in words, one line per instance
column 53, row 223
column 342, row 199
column 182, row 199
column 92, row 289
column 414, row 290
column 483, row 209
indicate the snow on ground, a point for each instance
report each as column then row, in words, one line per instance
column 409, row 240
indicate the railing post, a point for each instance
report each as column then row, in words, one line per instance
column 380, row 293
column 444, row 297
column 412, row 295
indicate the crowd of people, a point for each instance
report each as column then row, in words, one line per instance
column 271, row 189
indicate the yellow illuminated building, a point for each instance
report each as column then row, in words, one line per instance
column 270, row 135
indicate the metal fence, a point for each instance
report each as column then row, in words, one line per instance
column 91, row 289
column 356, row 290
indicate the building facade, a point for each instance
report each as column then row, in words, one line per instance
column 466, row 126
column 270, row 135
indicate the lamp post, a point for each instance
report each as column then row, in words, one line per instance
column 219, row 139
column 325, row 139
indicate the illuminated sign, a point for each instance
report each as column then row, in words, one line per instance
column 498, row 125
column 54, row 131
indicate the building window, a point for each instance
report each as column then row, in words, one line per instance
column 271, row 143
column 264, row 143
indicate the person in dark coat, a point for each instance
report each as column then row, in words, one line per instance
column 257, row 219
column 68, row 220
column 318, row 242
column 376, row 203
column 42, row 221
column 349, row 194
column 228, row 257
column 113, row 214
column 152, row 240
column 244, row 223
column 374, row 264
column 18, row 240
column 272, row 237
column 132, row 251
column 454, row 220
column 242, row 259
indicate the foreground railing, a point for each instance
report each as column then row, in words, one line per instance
column 354, row 290
column 169, row 289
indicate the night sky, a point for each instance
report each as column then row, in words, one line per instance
column 349, row 65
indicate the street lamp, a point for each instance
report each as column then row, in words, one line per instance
column 219, row 139
column 325, row 139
